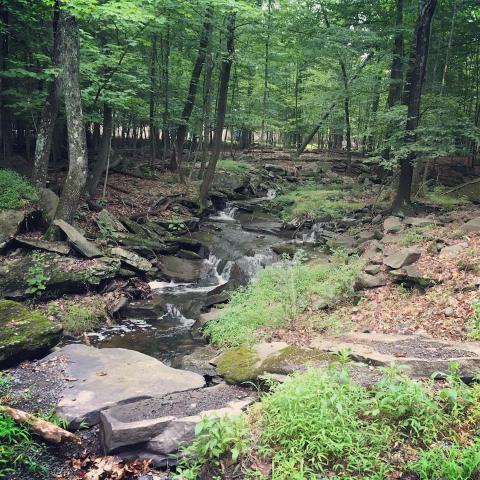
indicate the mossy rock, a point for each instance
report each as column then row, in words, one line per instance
column 247, row 363
column 65, row 275
column 24, row 333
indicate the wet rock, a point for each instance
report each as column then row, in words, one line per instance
column 62, row 248
column 472, row 226
column 422, row 355
column 453, row 250
column 79, row 242
column 411, row 276
column 113, row 376
column 10, row 221
column 145, row 246
column 402, row 258
column 180, row 269
column 392, row 225
column 286, row 249
column 131, row 259
column 198, row 361
column 25, row 333
column 47, row 203
column 370, row 281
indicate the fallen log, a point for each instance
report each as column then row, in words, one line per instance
column 47, row 430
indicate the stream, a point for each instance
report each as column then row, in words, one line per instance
column 166, row 326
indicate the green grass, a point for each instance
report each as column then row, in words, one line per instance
column 415, row 235
column 320, row 424
column 314, row 201
column 15, row 191
column 78, row 318
column 278, row 295
column 233, row 166
column 438, row 196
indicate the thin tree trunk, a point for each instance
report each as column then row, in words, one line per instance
column 415, row 80
column 449, row 47
column 77, row 145
column 153, row 94
column 207, row 112
column 348, row 128
column 176, row 159
column 166, row 89
column 266, row 71
column 104, row 151
column 221, row 109
column 5, row 113
column 396, row 71
column 43, row 145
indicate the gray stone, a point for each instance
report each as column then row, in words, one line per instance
column 10, row 221
column 365, row 236
column 105, row 218
column 112, row 376
column 180, row 269
column 390, row 238
column 371, row 250
column 411, row 276
column 342, row 241
column 420, row 221
column 61, row 248
column 392, row 224
column 472, row 226
column 48, row 203
column 422, row 355
column 370, row 281
column 453, row 250
column 79, row 242
column 132, row 259
column 402, row 258
column 373, row 269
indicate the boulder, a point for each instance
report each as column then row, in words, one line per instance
column 145, row 246
column 365, row 236
column 198, row 361
column 62, row 248
column 108, row 377
column 286, row 248
column 159, row 426
column 422, row 355
column 47, row 203
column 79, row 242
column 342, row 241
column 10, row 221
column 372, row 269
column 131, row 259
column 472, row 226
column 420, row 221
column 370, row 281
column 371, row 250
column 402, row 258
column 180, row 269
column 24, row 333
column 411, row 276
column 392, row 224
column 453, row 250
column 106, row 219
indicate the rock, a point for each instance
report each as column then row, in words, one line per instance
column 365, row 236
column 10, row 221
column 248, row 363
column 167, row 422
column 420, row 221
column 61, row 248
column 370, row 281
column 472, row 226
column 208, row 316
column 85, row 247
column 132, row 259
column 198, row 361
column 371, row 250
column 422, row 355
column 113, row 376
column 25, row 333
column 402, row 258
column 275, row 168
column 285, row 249
column 189, row 255
column 453, row 250
column 411, row 276
column 373, row 269
column 377, row 219
column 65, row 275
column 392, row 225
column 390, row 238
column 48, row 203
column 342, row 241
column 106, row 219
column 180, row 269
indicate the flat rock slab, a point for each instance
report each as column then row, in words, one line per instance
column 61, row 248
column 131, row 259
column 107, row 377
column 424, row 356
column 168, row 420
column 472, row 226
column 402, row 258
column 85, row 247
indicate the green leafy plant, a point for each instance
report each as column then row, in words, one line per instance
column 78, row 319
column 439, row 196
column 37, row 278
column 475, row 320
column 15, row 191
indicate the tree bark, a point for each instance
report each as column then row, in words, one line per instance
column 449, row 47
column 415, row 81
column 221, row 109
column 207, row 112
column 6, row 133
column 396, row 71
column 177, row 153
column 77, row 145
column 43, row 145
column 153, row 95
column 346, row 106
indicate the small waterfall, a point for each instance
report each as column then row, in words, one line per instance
column 251, row 265
column 227, row 215
column 175, row 313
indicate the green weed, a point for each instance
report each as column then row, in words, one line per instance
column 37, row 278
column 438, row 196
column 15, row 191
column 416, row 235
column 233, row 166
column 80, row 318
column 475, row 320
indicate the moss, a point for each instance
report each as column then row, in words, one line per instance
column 239, row 364
column 24, row 332
column 293, row 358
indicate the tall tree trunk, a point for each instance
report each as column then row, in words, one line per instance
column 77, row 144
column 153, row 95
column 266, row 71
column 449, row 47
column 166, row 90
column 176, row 160
column 43, row 145
column 346, row 106
column 104, row 151
column 396, row 71
column 6, row 133
column 207, row 112
column 415, row 80
column 221, row 109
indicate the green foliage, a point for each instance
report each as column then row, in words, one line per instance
column 314, row 201
column 37, row 277
column 233, row 166
column 475, row 320
column 5, row 386
column 438, row 196
column 216, row 439
column 415, row 235
column 78, row 317
column 15, row 191
column 278, row 294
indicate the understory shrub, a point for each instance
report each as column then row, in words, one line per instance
column 15, row 191
column 449, row 201
column 278, row 294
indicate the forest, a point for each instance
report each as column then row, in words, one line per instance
column 239, row 239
